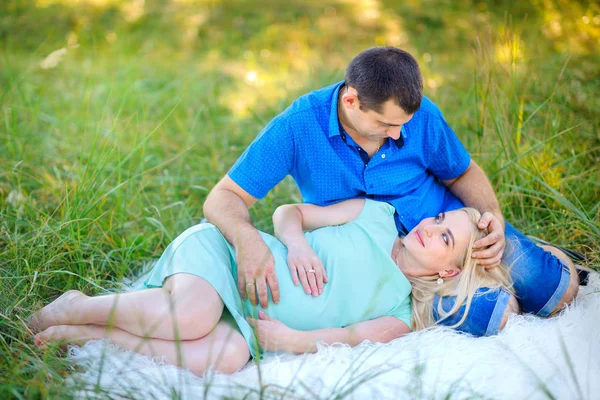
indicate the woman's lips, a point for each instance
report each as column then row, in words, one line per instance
column 419, row 238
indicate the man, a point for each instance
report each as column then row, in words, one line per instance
column 374, row 135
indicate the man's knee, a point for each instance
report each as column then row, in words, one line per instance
column 571, row 291
column 487, row 315
column 573, row 287
column 512, row 307
column 560, row 255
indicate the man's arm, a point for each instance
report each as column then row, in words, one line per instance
column 227, row 207
column 475, row 190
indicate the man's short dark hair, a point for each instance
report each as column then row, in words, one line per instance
column 382, row 73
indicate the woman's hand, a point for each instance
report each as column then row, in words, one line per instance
column 306, row 268
column 289, row 223
column 272, row 334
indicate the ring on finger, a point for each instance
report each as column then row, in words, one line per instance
column 311, row 271
column 250, row 284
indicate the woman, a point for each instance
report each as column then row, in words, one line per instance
column 190, row 311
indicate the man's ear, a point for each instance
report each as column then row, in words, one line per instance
column 449, row 273
column 350, row 98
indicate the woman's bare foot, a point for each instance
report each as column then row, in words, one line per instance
column 59, row 312
column 69, row 334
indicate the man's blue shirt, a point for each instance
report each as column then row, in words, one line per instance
column 305, row 141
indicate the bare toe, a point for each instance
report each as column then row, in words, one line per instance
column 55, row 313
column 67, row 334
column 52, row 335
column 41, row 339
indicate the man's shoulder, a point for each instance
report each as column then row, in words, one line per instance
column 316, row 103
column 428, row 108
column 427, row 116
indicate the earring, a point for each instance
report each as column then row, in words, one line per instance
column 440, row 281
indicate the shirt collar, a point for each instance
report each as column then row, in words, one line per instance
column 400, row 141
column 334, row 123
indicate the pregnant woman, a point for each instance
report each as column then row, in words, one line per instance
column 189, row 310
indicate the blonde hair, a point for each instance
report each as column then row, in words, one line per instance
column 463, row 286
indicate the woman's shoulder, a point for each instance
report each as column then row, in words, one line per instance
column 377, row 218
column 374, row 208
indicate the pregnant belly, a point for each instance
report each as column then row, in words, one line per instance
column 299, row 310
column 296, row 309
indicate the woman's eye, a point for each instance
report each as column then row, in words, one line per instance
column 445, row 238
column 438, row 218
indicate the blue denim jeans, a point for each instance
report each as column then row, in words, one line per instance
column 540, row 281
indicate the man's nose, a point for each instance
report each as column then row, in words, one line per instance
column 394, row 132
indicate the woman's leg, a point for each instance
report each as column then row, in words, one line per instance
column 187, row 307
column 223, row 349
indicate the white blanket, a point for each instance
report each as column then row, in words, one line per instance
column 532, row 358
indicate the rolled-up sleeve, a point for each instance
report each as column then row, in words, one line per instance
column 447, row 157
column 267, row 160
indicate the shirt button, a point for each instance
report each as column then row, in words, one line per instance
column 370, row 186
column 383, row 156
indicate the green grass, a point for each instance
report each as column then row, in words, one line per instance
column 109, row 155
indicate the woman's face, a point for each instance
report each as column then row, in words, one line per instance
column 436, row 245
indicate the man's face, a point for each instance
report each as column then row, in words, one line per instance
column 375, row 126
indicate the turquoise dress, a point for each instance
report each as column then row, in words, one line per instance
column 364, row 281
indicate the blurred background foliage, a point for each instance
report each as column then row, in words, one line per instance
column 119, row 116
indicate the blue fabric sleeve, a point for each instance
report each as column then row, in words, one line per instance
column 485, row 315
column 267, row 160
column 447, row 158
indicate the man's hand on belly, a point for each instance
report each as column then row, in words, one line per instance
column 256, row 270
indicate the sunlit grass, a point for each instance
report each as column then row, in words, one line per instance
column 108, row 148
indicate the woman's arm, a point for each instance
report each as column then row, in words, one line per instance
column 291, row 220
column 273, row 335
